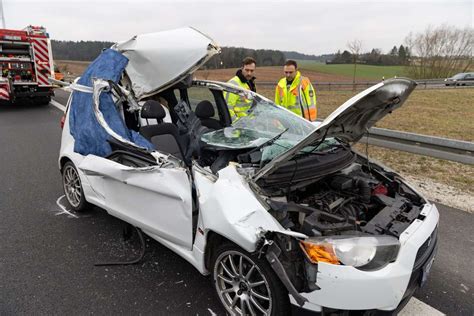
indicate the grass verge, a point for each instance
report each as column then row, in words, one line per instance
column 457, row 175
column 442, row 112
column 367, row 72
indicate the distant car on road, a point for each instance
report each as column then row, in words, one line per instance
column 461, row 79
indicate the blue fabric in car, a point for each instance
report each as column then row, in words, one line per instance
column 89, row 136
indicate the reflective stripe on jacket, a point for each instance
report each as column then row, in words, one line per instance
column 300, row 98
column 238, row 105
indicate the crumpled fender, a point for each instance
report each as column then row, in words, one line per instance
column 230, row 208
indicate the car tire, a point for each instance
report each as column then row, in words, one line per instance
column 41, row 101
column 72, row 187
column 259, row 291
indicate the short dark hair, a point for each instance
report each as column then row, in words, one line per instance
column 291, row 62
column 248, row 61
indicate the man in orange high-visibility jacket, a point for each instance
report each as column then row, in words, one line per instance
column 296, row 93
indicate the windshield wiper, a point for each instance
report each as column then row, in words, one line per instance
column 255, row 155
column 268, row 142
column 311, row 152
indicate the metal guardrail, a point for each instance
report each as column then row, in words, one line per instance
column 422, row 84
column 431, row 146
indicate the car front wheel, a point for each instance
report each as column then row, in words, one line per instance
column 73, row 188
column 246, row 284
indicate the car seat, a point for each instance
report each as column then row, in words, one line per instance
column 205, row 111
column 164, row 136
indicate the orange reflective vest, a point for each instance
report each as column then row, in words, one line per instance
column 299, row 98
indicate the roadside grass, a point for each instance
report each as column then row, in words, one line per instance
column 455, row 174
column 363, row 72
column 442, row 112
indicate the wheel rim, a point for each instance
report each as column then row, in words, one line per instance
column 241, row 286
column 72, row 186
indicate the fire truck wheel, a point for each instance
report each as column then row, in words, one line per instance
column 42, row 100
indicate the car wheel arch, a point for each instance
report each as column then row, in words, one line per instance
column 213, row 239
column 62, row 162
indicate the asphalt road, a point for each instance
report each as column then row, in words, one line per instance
column 47, row 257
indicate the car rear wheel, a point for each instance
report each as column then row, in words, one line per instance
column 73, row 188
column 246, row 284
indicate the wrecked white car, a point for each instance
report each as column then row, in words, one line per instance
column 277, row 210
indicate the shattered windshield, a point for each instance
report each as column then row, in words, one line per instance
column 263, row 121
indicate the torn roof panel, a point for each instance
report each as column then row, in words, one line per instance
column 159, row 60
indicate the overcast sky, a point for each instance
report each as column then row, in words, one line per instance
column 312, row 27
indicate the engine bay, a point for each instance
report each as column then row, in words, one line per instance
column 360, row 199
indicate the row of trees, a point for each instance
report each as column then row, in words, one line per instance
column 397, row 56
column 230, row 57
column 441, row 52
column 437, row 52
column 299, row 56
column 82, row 50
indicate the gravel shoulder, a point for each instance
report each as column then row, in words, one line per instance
column 442, row 193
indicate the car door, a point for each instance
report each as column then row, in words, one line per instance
column 469, row 79
column 155, row 198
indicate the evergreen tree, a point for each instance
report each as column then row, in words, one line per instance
column 394, row 51
column 402, row 55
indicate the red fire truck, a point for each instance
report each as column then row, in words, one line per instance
column 26, row 63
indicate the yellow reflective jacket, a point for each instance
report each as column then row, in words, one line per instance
column 238, row 105
column 300, row 98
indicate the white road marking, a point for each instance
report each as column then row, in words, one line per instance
column 417, row 307
column 58, row 105
column 63, row 208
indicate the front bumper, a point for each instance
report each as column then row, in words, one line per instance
column 31, row 91
column 387, row 289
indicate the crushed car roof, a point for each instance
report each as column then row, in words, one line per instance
column 159, row 60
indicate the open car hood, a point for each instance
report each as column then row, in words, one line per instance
column 352, row 119
column 159, row 60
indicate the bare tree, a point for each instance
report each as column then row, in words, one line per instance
column 440, row 52
column 355, row 48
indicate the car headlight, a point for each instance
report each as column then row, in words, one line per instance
column 362, row 252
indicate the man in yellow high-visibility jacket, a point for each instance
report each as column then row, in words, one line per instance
column 244, row 77
column 296, row 93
